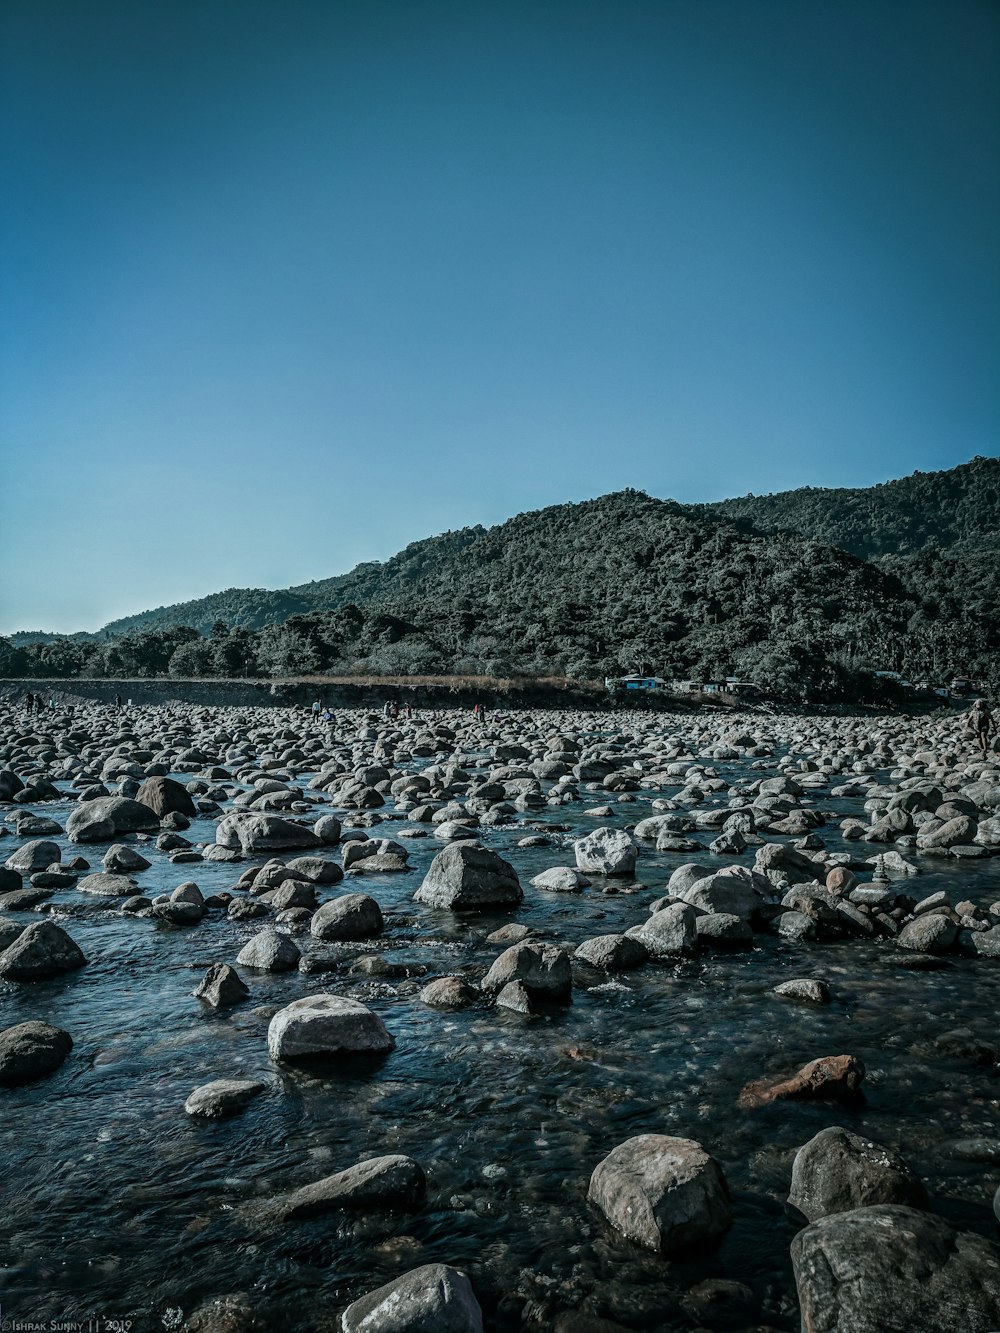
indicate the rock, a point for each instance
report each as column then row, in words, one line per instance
column 664, row 1193
column 838, row 1171
column 606, row 851
column 42, row 949
column 832, row 1077
column 928, row 934
column 432, row 1299
column 327, row 829
column 888, row 1267
column 732, row 892
column 31, row 1050
column 33, row 856
column 722, row 930
column 223, row 1097
column 840, row 881
column 613, row 953
column 164, row 796
column 804, row 989
column 542, row 969
column 122, row 860
column 449, row 993
column 465, row 877
column 561, row 879
column 222, row 987
column 684, row 876
column 667, row 933
column 961, row 829
column 108, row 818
column 515, row 996
column 316, row 869
column 292, row 893
column 791, row 865
column 720, row 1303
column 326, row 1025
column 794, row 926
column 377, row 1185
column 254, row 833
column 270, row 951
column 353, row 916
column 108, row 886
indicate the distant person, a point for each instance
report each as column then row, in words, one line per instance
column 118, row 702
column 981, row 723
column 317, row 709
column 29, row 701
column 387, row 710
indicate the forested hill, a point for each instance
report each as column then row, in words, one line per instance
column 957, row 510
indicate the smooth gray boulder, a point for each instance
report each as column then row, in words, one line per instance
column 561, row 879
column 29, row 1051
column 326, row 1025
column 805, row 989
column 892, row 1269
column 270, row 951
column 837, row 1171
column 667, row 933
column 377, row 1185
column 735, row 892
column 928, row 934
column 606, row 851
column 223, row 1097
column 353, row 916
column 542, row 969
column 165, row 796
column 42, row 949
column 613, row 953
column 664, row 1193
column 121, row 859
column 108, row 817
column 108, row 886
column 258, row 832
column 222, row 987
column 466, row 877
column 431, row 1299
column 33, row 856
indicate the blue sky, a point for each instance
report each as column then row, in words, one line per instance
column 288, row 285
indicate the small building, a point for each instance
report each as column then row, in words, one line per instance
column 637, row 682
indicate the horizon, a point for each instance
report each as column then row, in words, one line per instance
column 290, row 286
column 198, row 596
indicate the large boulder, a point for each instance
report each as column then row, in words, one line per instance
column 33, row 856
column 258, row 832
column 222, row 987
column 667, row 933
column 837, row 1171
column 326, row 1025
column 613, row 953
column 465, row 877
column 664, row 1193
column 542, row 969
column 606, row 851
column 379, row 1184
column 432, row 1299
column 353, row 916
column 735, row 892
column 931, row 933
column 108, row 886
column 108, row 817
column 269, row 951
column 164, row 796
column 891, row 1269
column 31, row 1050
column 42, row 949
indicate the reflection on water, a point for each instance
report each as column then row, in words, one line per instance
column 117, row 1203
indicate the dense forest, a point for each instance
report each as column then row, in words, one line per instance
column 622, row 583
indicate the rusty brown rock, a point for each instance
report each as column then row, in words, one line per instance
column 830, row 1078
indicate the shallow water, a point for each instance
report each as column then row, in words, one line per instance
column 119, row 1205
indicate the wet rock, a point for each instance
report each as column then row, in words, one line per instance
column 108, row 818
column 165, row 796
column 928, row 934
column 889, row 1267
column 735, row 892
column 561, row 879
column 830, row 1078
column 254, row 833
column 515, row 996
column 120, row 859
column 449, row 993
column 32, row 856
column 668, row 933
column 42, row 949
column 542, row 969
column 720, row 1303
column 316, row 869
column 270, row 951
column 324, row 1025
column 381, row 1184
column 434, row 1297
column 794, row 926
column 606, row 851
column 353, row 916
column 465, row 877
column 838, row 1171
column 108, row 886
column 225, row 1314
column 722, row 930
column 613, row 953
column 222, row 987
column 663, row 1193
column 31, row 1050
column 804, row 989
column 223, row 1097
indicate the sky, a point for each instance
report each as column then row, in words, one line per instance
column 287, row 284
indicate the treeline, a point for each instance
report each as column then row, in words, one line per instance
column 601, row 588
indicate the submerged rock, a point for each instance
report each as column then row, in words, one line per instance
column 832, row 1078
column 379, row 1184
column 432, row 1299
column 31, row 1050
column 223, row 1097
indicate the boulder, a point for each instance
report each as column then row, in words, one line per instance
column 222, row 987
column 722, row 930
column 542, row 969
column 606, row 851
column 887, row 1267
column 664, row 1193
column 270, row 951
column 164, row 796
column 120, row 859
column 449, row 993
column 832, row 1077
column 804, row 989
column 736, row 892
column 33, row 856
column 928, row 934
column 380, row 1184
column 353, row 916
column 42, row 949
column 258, row 832
column 613, row 953
column 837, row 1171
column 561, row 879
column 108, row 886
column 667, row 933
column 31, row 1050
column 465, row 877
column 326, row 1025
column 108, row 817
column 432, row 1299
column 223, row 1097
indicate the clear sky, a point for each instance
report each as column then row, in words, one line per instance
column 287, row 284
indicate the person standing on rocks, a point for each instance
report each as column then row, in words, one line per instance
column 29, row 701
column 118, row 702
column 981, row 723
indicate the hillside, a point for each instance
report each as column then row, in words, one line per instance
column 957, row 511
